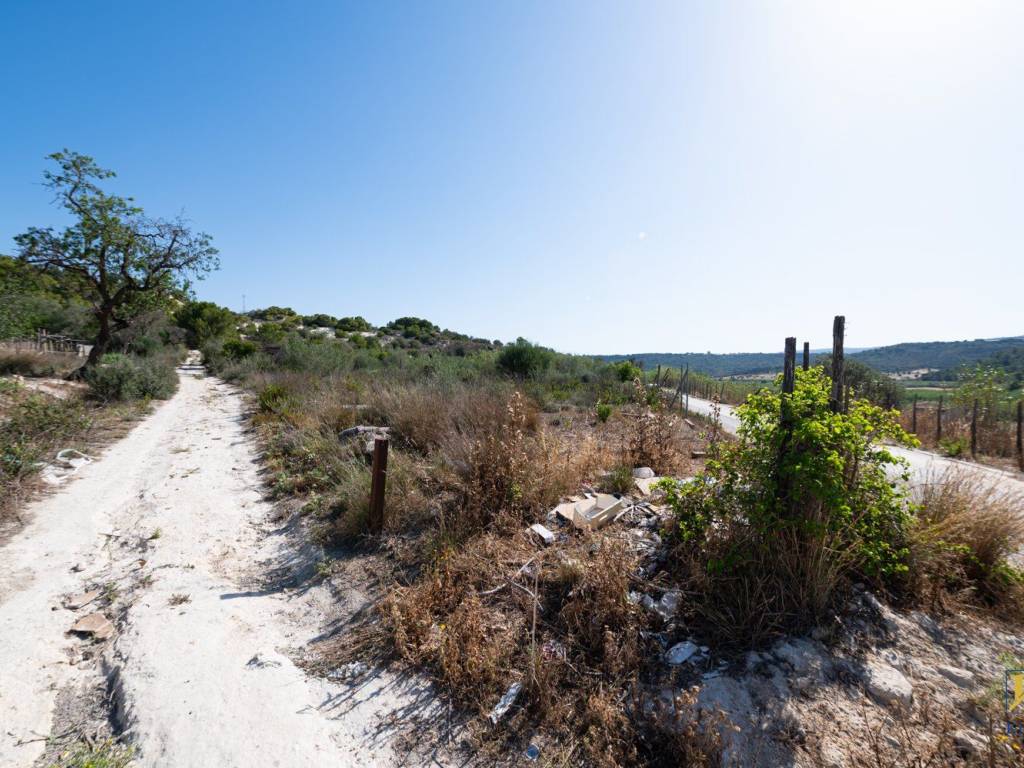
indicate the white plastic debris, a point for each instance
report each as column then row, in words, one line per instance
column 544, row 533
column 680, row 653
column 503, row 706
column 593, row 513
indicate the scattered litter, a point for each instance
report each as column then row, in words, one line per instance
column 545, row 535
column 680, row 652
column 643, row 473
column 95, row 624
column 349, row 671
column 689, row 423
column 71, row 459
column 552, row 650
column 532, row 752
column 668, row 606
column 698, row 454
column 596, row 512
column 80, row 601
column 646, row 484
column 503, row 706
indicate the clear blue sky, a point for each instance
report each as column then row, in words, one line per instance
column 598, row 177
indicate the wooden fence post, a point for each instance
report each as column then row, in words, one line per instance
column 783, row 487
column 938, row 422
column 974, row 429
column 686, row 391
column 378, row 484
column 838, row 331
column 807, row 355
column 913, row 418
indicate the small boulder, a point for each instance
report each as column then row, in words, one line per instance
column 960, row 677
column 968, row 744
column 643, row 473
column 888, row 685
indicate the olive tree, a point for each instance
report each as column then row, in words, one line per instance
column 129, row 262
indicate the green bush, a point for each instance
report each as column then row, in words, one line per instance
column 604, row 411
column 953, row 446
column 122, row 377
column 626, row 371
column 203, row 321
column 238, row 349
column 779, row 519
column 272, row 398
column 524, row 359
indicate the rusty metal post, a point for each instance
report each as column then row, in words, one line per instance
column 378, row 484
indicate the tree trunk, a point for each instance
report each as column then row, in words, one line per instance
column 99, row 347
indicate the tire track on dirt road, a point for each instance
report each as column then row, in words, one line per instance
column 172, row 526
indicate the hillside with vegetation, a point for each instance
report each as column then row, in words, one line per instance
column 896, row 358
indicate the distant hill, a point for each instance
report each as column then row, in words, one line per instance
column 1009, row 361
column 892, row 359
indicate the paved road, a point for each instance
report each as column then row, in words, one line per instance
column 923, row 464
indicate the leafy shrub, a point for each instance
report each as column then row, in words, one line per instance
column 775, row 523
column 604, row 412
column 524, row 359
column 123, row 377
column 953, row 446
column 272, row 398
column 627, row 371
column 238, row 349
column 204, row 321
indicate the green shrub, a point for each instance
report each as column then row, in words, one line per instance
column 122, row 377
column 524, row 359
column 778, row 520
column 204, row 321
column 272, row 398
column 627, row 371
column 33, row 426
column 238, row 349
column 953, row 446
column 604, row 411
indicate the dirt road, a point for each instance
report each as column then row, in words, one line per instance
column 210, row 597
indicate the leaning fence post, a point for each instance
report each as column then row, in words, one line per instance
column 378, row 484
column 838, row 330
column 974, row 429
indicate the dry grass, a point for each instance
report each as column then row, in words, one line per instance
column 25, row 363
column 968, row 529
column 498, row 611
